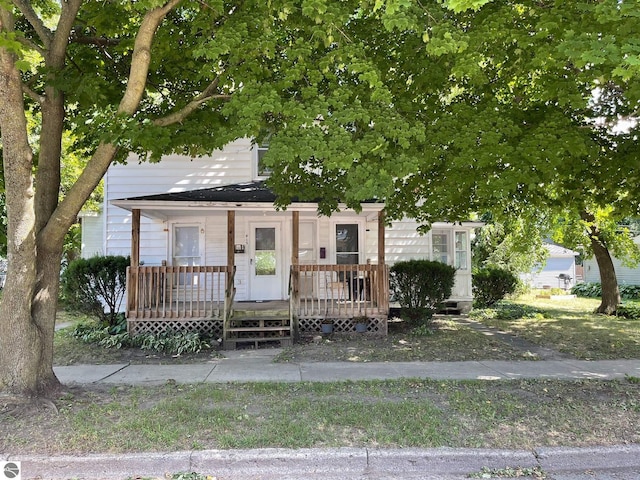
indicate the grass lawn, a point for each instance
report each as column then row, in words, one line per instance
column 569, row 326
column 403, row 413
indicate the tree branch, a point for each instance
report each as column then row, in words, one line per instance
column 67, row 210
column 141, row 57
column 35, row 96
column 184, row 112
column 32, row 17
column 97, row 41
column 60, row 41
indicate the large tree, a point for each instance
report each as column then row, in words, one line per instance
column 520, row 104
column 155, row 77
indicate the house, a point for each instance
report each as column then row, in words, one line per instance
column 207, row 246
column 626, row 275
column 559, row 271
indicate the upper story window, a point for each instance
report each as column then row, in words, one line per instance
column 261, row 170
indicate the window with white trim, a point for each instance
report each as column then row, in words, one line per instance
column 461, row 251
column 347, row 244
column 440, row 247
column 261, row 170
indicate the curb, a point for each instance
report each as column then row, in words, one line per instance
column 331, row 463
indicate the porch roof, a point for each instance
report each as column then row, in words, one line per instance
column 247, row 195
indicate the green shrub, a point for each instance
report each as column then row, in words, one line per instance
column 96, row 286
column 594, row 290
column 629, row 310
column 589, row 290
column 504, row 310
column 491, row 285
column 175, row 343
column 419, row 286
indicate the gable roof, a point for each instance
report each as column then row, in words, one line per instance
column 556, row 250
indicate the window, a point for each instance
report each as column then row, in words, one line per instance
column 440, row 247
column 186, row 245
column 461, row 262
column 262, row 171
column 306, row 248
column 266, row 261
column 347, row 244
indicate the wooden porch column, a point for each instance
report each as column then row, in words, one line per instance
column 382, row 288
column 134, row 282
column 231, row 236
column 295, row 237
column 381, row 245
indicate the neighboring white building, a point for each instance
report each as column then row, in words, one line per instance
column 559, row 271
column 625, row 275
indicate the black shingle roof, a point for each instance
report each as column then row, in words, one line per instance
column 240, row 192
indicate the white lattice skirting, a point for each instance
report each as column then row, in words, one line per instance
column 206, row 327
column 312, row 326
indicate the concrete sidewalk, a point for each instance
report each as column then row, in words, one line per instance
column 257, row 366
column 621, row 462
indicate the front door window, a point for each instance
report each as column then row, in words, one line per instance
column 347, row 244
column 186, row 245
column 266, row 259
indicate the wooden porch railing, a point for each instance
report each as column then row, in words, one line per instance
column 339, row 291
column 180, row 292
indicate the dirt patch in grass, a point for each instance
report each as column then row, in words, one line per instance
column 449, row 341
column 402, row 413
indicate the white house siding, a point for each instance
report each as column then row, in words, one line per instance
column 175, row 173
column 549, row 276
column 625, row 275
column 236, row 165
column 92, row 235
column 404, row 242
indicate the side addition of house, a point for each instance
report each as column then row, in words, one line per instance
column 206, row 245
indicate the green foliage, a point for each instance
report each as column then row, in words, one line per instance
column 589, row 290
column 505, row 310
column 175, row 343
column 420, row 286
column 594, row 290
column 491, row 285
column 513, row 243
column 96, row 286
column 423, row 330
column 629, row 310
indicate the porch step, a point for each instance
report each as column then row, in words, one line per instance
column 450, row 308
column 257, row 331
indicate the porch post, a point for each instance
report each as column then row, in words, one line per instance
column 383, row 299
column 295, row 237
column 295, row 274
column 231, row 236
column 381, row 245
column 134, row 282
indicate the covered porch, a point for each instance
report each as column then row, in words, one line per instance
column 203, row 297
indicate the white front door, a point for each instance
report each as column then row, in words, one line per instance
column 265, row 265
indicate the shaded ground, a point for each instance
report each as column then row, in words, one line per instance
column 451, row 339
column 448, row 339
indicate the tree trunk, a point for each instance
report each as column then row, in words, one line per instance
column 37, row 225
column 22, row 341
column 608, row 280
